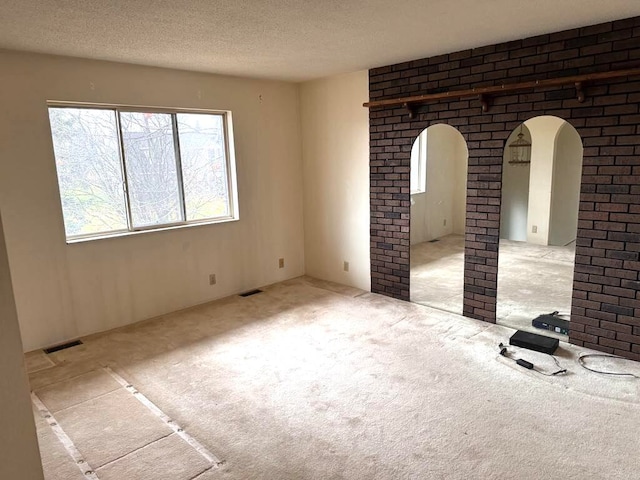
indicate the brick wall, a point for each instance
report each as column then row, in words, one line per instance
column 605, row 313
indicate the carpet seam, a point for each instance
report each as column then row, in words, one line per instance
column 195, row 444
column 66, row 441
column 202, row 472
column 134, row 451
column 65, row 379
column 87, row 400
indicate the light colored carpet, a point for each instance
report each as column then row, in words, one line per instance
column 77, row 390
column 532, row 280
column 116, row 435
column 36, row 361
column 56, row 462
column 301, row 382
column 110, row 426
column 437, row 273
column 170, row 458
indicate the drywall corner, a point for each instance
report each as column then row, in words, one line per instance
column 19, row 453
column 335, row 156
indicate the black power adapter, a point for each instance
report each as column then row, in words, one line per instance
column 528, row 365
column 525, row 364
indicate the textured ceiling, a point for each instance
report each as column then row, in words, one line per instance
column 284, row 39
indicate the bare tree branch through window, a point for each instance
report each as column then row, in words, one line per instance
column 128, row 170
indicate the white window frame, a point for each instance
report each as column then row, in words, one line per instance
column 230, row 160
column 419, row 164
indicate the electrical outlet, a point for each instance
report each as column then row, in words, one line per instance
column 534, row 229
column 444, row 222
column 281, row 263
column 346, row 266
column 212, row 279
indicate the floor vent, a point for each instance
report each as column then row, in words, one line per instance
column 64, row 346
column 434, row 240
column 250, row 292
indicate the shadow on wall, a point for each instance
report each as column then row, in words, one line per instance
column 540, row 199
column 438, row 183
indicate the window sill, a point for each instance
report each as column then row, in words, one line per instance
column 106, row 236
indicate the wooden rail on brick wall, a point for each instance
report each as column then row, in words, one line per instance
column 482, row 92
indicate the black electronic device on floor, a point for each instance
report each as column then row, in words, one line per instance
column 533, row 341
column 552, row 322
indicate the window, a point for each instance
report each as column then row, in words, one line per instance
column 419, row 163
column 128, row 169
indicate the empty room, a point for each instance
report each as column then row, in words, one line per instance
column 319, row 240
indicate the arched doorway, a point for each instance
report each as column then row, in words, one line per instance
column 538, row 226
column 439, row 160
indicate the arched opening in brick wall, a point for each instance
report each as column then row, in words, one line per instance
column 439, row 157
column 539, row 226
column 605, row 305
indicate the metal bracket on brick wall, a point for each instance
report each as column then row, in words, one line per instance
column 410, row 103
column 484, row 101
column 580, row 92
column 411, row 110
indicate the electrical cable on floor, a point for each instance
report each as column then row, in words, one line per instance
column 530, row 366
column 604, row 355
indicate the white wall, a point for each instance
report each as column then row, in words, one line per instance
column 445, row 198
column 546, row 193
column 515, row 193
column 19, row 455
column 565, row 196
column 335, row 151
column 543, row 135
column 65, row 291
